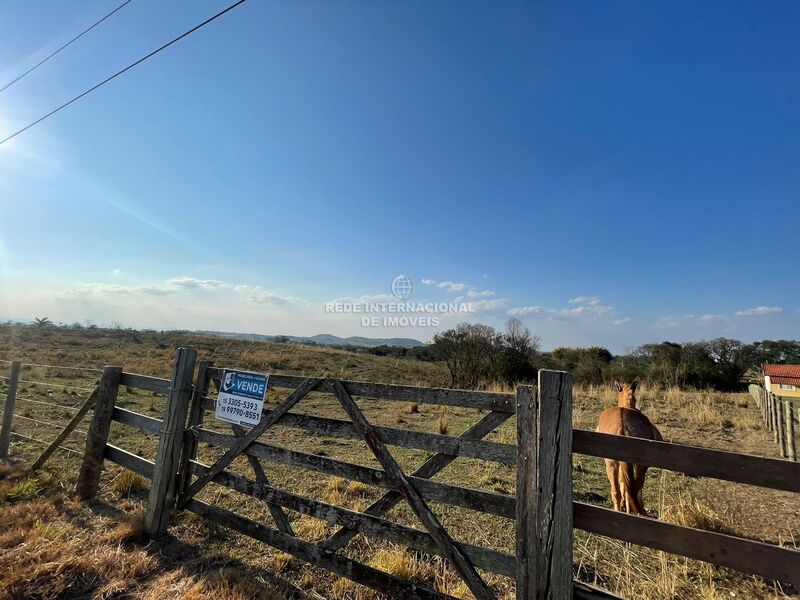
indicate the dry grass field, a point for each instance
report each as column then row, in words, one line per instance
column 54, row 547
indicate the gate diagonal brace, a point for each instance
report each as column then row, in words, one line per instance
column 278, row 514
column 435, row 464
column 242, row 443
column 443, row 540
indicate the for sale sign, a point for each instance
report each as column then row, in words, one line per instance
column 241, row 397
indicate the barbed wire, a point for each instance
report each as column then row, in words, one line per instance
column 93, row 369
column 53, row 385
column 73, row 408
column 49, row 424
column 33, row 439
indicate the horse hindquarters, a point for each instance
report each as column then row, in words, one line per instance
column 630, row 489
column 612, row 469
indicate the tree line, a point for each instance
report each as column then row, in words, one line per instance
column 478, row 355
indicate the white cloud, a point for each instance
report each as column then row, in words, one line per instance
column 193, row 283
column 365, row 298
column 588, row 306
column 86, row 290
column 525, row 310
column 759, row 310
column 711, row 317
column 480, row 293
column 668, row 323
column 726, row 321
column 487, row 305
column 452, row 286
column 267, row 297
column 622, row 321
column 175, row 286
column 587, row 300
column 585, row 309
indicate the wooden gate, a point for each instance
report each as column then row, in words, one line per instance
column 543, row 566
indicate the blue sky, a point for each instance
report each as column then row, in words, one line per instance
column 612, row 172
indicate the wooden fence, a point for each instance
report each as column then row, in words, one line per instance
column 779, row 418
column 543, row 509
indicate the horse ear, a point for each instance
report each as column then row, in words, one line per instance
column 618, row 386
column 634, row 385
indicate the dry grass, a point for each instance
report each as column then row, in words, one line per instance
column 55, row 547
column 226, row 564
column 691, row 512
column 128, row 483
column 443, row 424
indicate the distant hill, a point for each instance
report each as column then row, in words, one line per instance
column 324, row 339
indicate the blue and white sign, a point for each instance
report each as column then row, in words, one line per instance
column 241, row 397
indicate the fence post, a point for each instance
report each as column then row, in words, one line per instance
column 780, row 426
column 765, row 408
column 196, row 414
column 8, row 411
column 771, row 427
column 97, row 438
column 170, row 443
column 544, row 488
column 791, row 447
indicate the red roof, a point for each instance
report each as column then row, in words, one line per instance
column 785, row 380
column 781, row 370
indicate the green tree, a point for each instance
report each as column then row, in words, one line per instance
column 518, row 353
column 471, row 352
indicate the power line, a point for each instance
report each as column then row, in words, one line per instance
column 120, row 72
column 75, row 39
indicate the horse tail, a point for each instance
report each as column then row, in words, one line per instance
column 628, row 489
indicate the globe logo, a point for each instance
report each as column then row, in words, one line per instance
column 402, row 287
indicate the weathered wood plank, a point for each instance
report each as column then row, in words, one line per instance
column 170, row 445
column 89, row 477
column 773, row 416
column 431, row 442
column 544, row 488
column 747, row 556
column 64, row 433
column 129, row 461
column 196, row 414
column 448, row 548
column 390, row 585
column 488, row 502
column 554, row 464
column 584, row 591
column 8, row 409
column 427, row 470
column 791, row 445
column 491, row 560
column 527, row 490
column 242, row 443
column 145, row 382
column 139, row 421
column 277, row 513
column 781, row 427
column 691, row 460
column 402, row 393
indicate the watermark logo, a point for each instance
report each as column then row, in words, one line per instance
column 402, row 287
column 399, row 314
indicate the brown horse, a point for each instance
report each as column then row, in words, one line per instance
column 627, row 480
